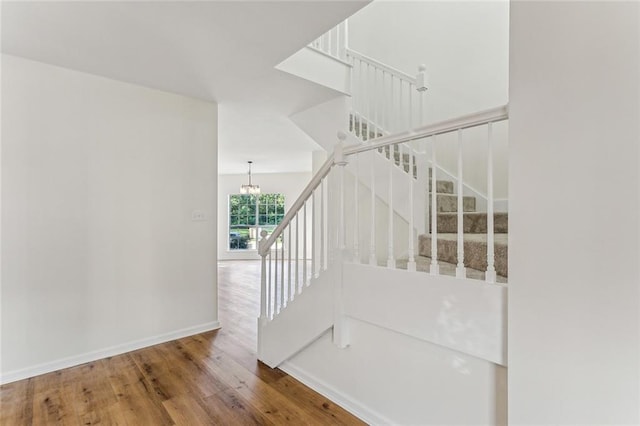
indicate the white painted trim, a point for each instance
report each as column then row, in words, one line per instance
column 335, row 58
column 364, row 413
column 75, row 360
column 393, row 71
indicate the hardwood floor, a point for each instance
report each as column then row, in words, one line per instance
column 208, row 379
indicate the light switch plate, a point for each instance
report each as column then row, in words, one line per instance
column 197, row 216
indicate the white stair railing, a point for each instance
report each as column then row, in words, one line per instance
column 334, row 42
column 384, row 100
column 281, row 284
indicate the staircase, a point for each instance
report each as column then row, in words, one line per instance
column 475, row 234
column 343, row 267
column 475, row 226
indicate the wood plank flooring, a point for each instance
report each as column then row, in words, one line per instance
column 208, row 379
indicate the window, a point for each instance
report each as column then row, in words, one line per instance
column 249, row 215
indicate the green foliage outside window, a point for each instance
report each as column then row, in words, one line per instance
column 245, row 210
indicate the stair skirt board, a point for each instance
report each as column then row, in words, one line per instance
column 363, row 412
column 275, row 361
column 304, row 320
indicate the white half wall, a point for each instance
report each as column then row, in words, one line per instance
column 289, row 184
column 574, row 193
column 318, row 67
column 100, row 253
column 323, row 122
column 388, row 378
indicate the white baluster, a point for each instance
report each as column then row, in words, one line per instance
column 269, row 289
column 421, row 100
column 393, row 112
column 373, row 259
column 344, row 39
column 290, row 281
column 297, row 283
column 330, row 37
column 376, row 100
column 323, row 230
column 368, row 102
column 423, row 164
column 283, row 299
column 410, row 109
column 352, row 102
column 314, row 241
column 411, row 264
column 276, row 305
column 460, row 269
column 401, row 114
column 491, row 270
column 434, row 268
column 307, row 280
column 356, row 210
column 384, row 118
column 391, row 261
column 360, row 97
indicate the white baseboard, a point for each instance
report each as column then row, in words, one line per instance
column 363, row 412
column 75, row 360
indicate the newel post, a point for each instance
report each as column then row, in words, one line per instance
column 340, row 333
column 422, row 85
column 422, row 81
column 264, row 314
column 339, row 160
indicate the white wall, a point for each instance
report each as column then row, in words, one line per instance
column 574, row 282
column 99, row 252
column 389, row 378
column 289, row 184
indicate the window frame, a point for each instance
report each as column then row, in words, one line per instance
column 273, row 209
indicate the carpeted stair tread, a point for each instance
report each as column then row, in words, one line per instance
column 475, row 250
column 473, row 222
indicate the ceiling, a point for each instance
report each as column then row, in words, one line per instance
column 220, row 51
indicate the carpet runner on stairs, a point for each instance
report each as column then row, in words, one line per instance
column 475, row 235
column 474, row 222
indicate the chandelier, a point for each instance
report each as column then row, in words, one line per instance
column 250, row 189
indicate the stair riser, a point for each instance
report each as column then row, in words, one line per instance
column 442, row 187
column 449, row 203
column 475, row 253
column 472, row 223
